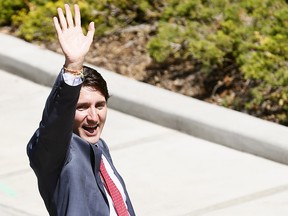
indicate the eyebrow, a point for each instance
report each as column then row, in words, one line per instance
column 97, row 103
column 101, row 103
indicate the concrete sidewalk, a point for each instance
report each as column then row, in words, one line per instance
column 167, row 172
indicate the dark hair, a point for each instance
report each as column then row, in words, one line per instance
column 94, row 79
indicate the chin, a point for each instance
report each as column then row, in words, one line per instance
column 91, row 140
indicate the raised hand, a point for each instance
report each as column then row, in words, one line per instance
column 75, row 45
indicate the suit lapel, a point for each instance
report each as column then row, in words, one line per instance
column 96, row 155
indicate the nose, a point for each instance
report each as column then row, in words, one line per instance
column 92, row 115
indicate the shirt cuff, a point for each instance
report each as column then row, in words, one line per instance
column 72, row 80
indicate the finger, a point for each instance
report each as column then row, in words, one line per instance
column 91, row 31
column 56, row 25
column 77, row 15
column 62, row 18
column 69, row 16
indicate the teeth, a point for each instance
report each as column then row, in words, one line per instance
column 89, row 126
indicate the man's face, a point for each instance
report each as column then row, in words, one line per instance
column 90, row 116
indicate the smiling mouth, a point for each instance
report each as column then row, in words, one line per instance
column 91, row 128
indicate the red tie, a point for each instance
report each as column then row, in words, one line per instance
column 114, row 192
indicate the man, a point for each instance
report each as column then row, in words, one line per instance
column 72, row 164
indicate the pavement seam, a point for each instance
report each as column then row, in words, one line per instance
column 239, row 200
column 14, row 211
column 138, row 142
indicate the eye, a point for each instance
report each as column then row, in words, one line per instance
column 101, row 105
column 81, row 107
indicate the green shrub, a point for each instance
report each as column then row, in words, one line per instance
column 251, row 34
column 37, row 25
column 8, row 8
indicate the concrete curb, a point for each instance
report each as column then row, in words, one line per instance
column 188, row 115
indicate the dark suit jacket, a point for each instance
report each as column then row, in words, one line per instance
column 67, row 167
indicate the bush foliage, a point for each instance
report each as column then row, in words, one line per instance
column 248, row 36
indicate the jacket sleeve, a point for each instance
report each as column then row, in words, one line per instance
column 48, row 146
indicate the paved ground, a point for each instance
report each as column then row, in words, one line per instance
column 167, row 173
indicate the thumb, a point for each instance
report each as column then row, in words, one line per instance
column 91, row 30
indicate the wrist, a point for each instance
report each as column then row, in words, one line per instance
column 75, row 72
column 77, row 65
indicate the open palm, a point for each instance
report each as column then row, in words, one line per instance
column 75, row 45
